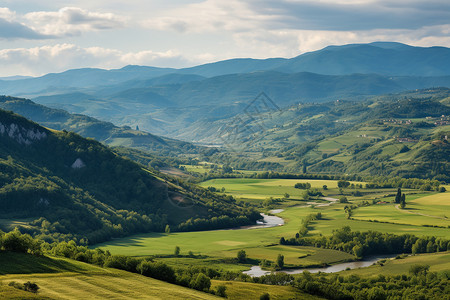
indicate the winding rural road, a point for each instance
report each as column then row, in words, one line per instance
column 420, row 214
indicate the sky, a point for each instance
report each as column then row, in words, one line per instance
column 45, row 36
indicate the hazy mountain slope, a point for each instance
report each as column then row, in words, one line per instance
column 58, row 183
column 90, row 127
column 380, row 58
column 175, row 109
column 81, row 78
column 376, row 58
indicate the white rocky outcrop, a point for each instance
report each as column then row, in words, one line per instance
column 78, row 164
column 20, row 134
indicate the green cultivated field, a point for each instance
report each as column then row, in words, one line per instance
column 60, row 278
column 244, row 290
column 432, row 210
column 262, row 243
column 437, row 261
column 264, row 188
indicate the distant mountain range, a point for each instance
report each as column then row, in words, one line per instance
column 167, row 101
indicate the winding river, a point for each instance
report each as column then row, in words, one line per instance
column 272, row 221
column 256, row 271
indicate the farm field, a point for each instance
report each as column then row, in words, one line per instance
column 216, row 246
column 60, row 278
column 264, row 188
column 430, row 210
column 244, row 290
column 438, row 262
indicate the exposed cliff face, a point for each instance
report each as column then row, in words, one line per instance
column 21, row 134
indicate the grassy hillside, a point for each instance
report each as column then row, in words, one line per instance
column 60, row 278
column 58, row 184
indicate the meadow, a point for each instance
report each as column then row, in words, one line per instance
column 216, row 248
column 438, row 262
column 245, row 290
column 60, row 278
column 257, row 189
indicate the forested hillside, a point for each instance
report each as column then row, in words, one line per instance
column 59, row 185
column 404, row 134
column 86, row 126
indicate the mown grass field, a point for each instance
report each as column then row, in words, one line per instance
column 421, row 209
column 249, row 188
column 438, row 262
column 60, row 278
column 245, row 291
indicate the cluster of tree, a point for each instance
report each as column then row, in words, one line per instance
column 306, row 222
column 303, row 186
column 279, row 175
column 220, row 222
column 314, row 192
column 348, row 209
column 400, row 182
column 362, row 244
column 419, row 284
column 400, row 198
column 27, row 286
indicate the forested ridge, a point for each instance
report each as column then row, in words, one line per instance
column 63, row 186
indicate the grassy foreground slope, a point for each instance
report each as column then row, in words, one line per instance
column 60, row 278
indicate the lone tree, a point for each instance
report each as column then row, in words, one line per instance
column 280, row 261
column 241, row 256
column 265, row 296
column 403, row 201
column 343, row 199
column 398, row 196
column 177, row 251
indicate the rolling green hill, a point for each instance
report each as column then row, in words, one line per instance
column 58, row 185
column 396, row 134
column 105, row 132
column 61, row 278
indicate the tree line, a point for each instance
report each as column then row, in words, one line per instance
column 367, row 243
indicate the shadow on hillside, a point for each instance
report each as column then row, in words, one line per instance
column 135, row 240
column 21, row 263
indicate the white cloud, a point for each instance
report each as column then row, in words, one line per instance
column 39, row 60
column 11, row 28
column 210, row 16
column 289, row 43
column 72, row 21
column 6, row 14
column 347, row 15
